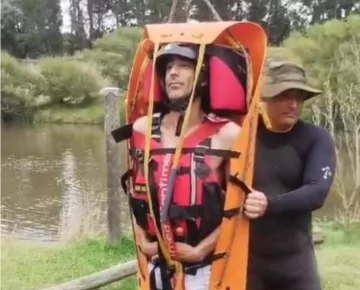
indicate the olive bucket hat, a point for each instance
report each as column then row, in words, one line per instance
column 280, row 76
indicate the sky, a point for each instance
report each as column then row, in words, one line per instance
column 65, row 4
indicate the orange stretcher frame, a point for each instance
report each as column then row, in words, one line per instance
column 228, row 273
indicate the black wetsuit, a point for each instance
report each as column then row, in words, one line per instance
column 295, row 170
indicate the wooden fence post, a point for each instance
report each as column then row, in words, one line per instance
column 111, row 122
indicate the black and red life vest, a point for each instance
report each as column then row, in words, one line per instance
column 198, row 198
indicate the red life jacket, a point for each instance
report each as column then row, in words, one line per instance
column 198, row 198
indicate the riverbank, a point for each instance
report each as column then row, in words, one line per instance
column 93, row 113
column 32, row 266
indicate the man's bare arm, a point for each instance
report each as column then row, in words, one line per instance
column 150, row 249
column 207, row 245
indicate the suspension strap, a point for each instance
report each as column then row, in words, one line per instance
column 156, row 125
column 161, row 241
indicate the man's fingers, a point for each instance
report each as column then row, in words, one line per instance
column 255, row 195
column 252, row 209
column 254, row 202
column 251, row 215
column 251, row 202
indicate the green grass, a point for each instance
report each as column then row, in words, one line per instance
column 339, row 267
column 27, row 265
column 339, row 257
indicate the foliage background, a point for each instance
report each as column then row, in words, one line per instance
column 37, row 90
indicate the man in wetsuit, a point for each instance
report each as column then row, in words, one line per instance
column 294, row 170
column 175, row 66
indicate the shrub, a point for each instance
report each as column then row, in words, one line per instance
column 20, row 85
column 70, row 81
column 331, row 54
column 341, row 110
column 321, row 44
column 282, row 52
column 114, row 54
column 324, row 50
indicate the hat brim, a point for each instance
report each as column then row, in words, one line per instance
column 269, row 91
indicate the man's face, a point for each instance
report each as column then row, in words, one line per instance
column 284, row 110
column 179, row 78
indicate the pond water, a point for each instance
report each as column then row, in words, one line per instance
column 54, row 182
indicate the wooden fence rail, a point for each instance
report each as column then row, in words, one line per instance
column 99, row 279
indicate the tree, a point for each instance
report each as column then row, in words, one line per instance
column 10, row 26
column 31, row 28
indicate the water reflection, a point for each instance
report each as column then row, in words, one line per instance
column 53, row 181
column 70, row 216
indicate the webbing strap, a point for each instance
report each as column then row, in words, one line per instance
column 122, row 133
column 229, row 213
column 202, row 150
column 155, row 209
column 126, row 132
column 146, row 157
column 189, row 268
column 197, row 160
column 162, row 244
column 192, row 269
column 210, row 152
column 155, row 128
column 124, row 179
column 240, row 183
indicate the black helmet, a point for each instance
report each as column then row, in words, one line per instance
column 174, row 49
column 186, row 51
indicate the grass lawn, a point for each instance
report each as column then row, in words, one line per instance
column 31, row 265
column 339, row 258
column 28, row 265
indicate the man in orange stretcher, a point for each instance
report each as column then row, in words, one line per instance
column 198, row 197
